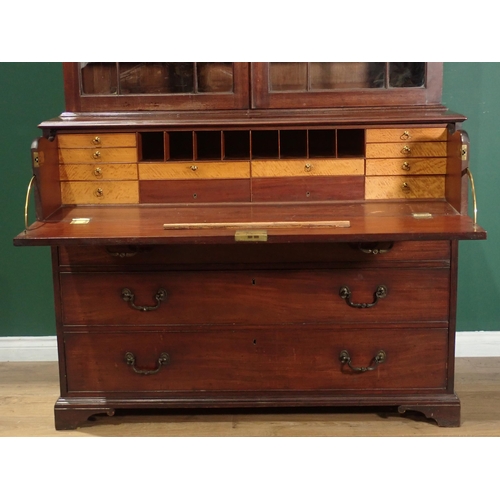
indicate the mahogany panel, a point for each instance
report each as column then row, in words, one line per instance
column 253, row 297
column 303, row 189
column 195, row 191
column 298, row 360
column 372, row 253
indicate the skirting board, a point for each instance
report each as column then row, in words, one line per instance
column 469, row 344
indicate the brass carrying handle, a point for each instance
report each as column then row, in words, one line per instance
column 27, row 203
column 380, row 293
column 163, row 360
column 473, row 190
column 160, row 296
column 380, row 357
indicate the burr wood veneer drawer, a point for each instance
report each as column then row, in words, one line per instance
column 406, row 134
column 96, row 140
column 258, row 359
column 195, row 170
column 307, row 167
column 98, row 155
column 393, row 187
column 99, row 192
column 256, row 297
column 406, row 150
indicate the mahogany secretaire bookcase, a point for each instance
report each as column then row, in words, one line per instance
column 253, row 235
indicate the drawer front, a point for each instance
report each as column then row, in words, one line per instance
column 99, row 192
column 103, row 171
column 391, row 187
column 195, row 191
column 255, row 297
column 195, row 170
column 407, row 150
column 250, row 360
column 97, row 140
column 97, row 155
column 308, row 188
column 309, row 167
column 405, row 135
column 416, row 166
column 402, row 252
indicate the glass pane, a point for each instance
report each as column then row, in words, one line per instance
column 143, row 78
column 346, row 75
column 99, row 78
column 181, row 77
column 215, row 77
column 406, row 74
column 287, row 76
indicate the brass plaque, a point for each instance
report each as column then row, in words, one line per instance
column 250, row 236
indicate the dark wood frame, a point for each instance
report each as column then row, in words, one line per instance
column 76, row 102
column 263, row 98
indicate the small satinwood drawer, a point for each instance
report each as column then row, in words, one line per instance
column 307, row 167
column 393, row 187
column 405, row 134
column 407, row 150
column 103, row 171
column 425, row 253
column 98, row 155
column 195, row 170
column 97, row 140
column 256, row 297
column 416, row 166
column 314, row 188
column 258, row 359
column 101, row 192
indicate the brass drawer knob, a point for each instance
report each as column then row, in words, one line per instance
column 96, row 140
column 97, row 155
column 194, row 168
column 405, row 187
column 99, row 193
column 308, row 167
column 406, row 150
column 98, row 172
column 406, row 166
column 405, row 135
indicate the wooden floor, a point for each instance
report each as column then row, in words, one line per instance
column 28, row 392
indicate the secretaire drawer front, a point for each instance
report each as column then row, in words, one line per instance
column 246, row 360
column 436, row 253
column 308, row 167
column 407, row 150
column 98, row 155
column 256, row 297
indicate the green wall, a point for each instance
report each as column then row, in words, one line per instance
column 33, row 92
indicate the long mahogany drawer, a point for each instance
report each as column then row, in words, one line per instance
column 327, row 188
column 372, row 253
column 191, row 191
column 254, row 359
column 255, row 297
